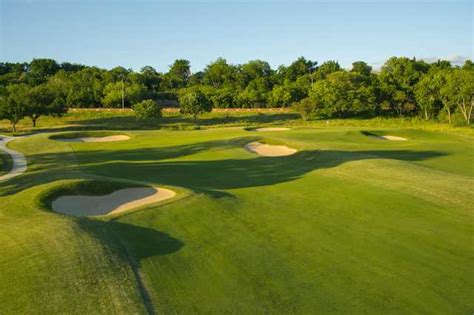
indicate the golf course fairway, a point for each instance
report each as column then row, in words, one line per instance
column 346, row 224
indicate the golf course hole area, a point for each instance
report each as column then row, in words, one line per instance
column 269, row 129
column 90, row 137
column 92, row 198
column 264, row 149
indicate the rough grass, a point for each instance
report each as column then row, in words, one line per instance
column 348, row 224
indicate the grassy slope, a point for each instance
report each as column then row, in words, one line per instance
column 348, row 224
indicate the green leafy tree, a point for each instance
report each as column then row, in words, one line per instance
column 343, row 94
column 149, row 77
column 85, row 88
column 193, row 101
column 13, row 104
column 298, row 68
column 255, row 94
column 398, row 78
column 253, row 70
column 361, row 68
column 446, row 92
column 178, row 74
column 43, row 100
column 325, row 69
column 219, row 73
column 426, row 93
column 459, row 91
column 468, row 65
column 132, row 92
column 41, row 69
column 224, row 98
column 282, row 96
column 147, row 110
column 306, row 108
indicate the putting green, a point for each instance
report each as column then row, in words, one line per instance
column 346, row 224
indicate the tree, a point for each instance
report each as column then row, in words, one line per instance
column 150, row 78
column 253, row 70
column 448, row 86
column 255, row 94
column 282, row 95
column 219, row 73
column 193, row 101
column 426, row 93
column 468, row 65
column 178, row 74
column 343, row 94
column 147, row 110
column 132, row 92
column 43, row 100
column 85, row 88
column 325, row 69
column 223, row 98
column 41, row 69
column 298, row 68
column 306, row 108
column 459, row 91
column 398, row 78
column 466, row 93
column 361, row 68
column 13, row 104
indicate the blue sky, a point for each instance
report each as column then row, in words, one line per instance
column 139, row 33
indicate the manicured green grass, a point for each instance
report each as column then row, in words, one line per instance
column 5, row 163
column 348, row 224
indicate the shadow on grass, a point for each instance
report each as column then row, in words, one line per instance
column 132, row 244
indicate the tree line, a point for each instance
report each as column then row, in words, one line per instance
column 402, row 87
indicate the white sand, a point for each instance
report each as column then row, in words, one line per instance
column 269, row 150
column 96, row 139
column 119, row 201
column 272, row 129
column 391, row 138
column 19, row 164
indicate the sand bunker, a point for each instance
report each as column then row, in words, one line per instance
column 96, row 139
column 269, row 150
column 392, row 138
column 119, row 201
column 272, row 129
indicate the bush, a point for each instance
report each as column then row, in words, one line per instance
column 147, row 110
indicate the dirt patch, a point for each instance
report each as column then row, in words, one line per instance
column 272, row 129
column 95, row 139
column 269, row 150
column 119, row 201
